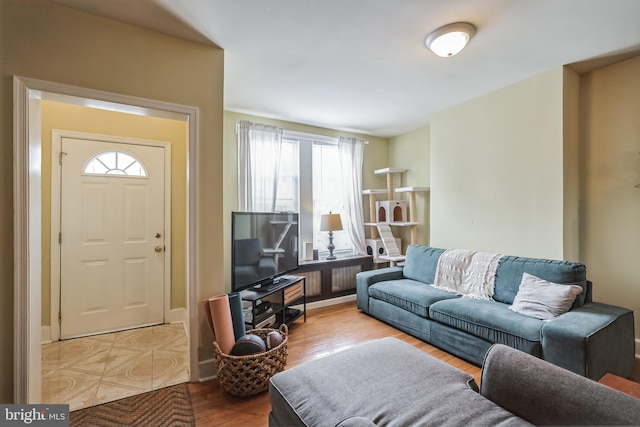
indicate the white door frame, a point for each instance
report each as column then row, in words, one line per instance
column 27, row 200
column 56, row 170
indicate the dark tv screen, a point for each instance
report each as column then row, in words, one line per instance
column 264, row 246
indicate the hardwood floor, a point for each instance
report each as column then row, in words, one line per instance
column 327, row 330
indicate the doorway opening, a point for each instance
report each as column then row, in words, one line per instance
column 28, row 95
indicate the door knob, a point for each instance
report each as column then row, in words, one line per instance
column 158, row 248
column 158, row 235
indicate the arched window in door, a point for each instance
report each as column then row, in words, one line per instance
column 114, row 163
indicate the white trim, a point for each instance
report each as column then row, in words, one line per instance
column 56, row 169
column 637, row 348
column 328, row 302
column 309, row 137
column 27, row 244
column 207, row 370
column 177, row 315
column 27, row 232
column 45, row 335
column 115, row 102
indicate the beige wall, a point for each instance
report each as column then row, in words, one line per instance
column 571, row 164
column 610, row 160
column 546, row 167
column 497, row 170
column 411, row 151
column 42, row 40
column 375, row 157
column 56, row 115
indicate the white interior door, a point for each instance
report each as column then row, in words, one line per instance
column 112, row 236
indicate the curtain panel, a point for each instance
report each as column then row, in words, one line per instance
column 351, row 158
column 258, row 166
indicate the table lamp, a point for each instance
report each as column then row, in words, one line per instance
column 330, row 222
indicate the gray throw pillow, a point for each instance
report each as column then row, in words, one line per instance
column 542, row 299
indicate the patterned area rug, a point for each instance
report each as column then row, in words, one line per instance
column 170, row 406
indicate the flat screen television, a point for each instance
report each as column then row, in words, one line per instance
column 264, row 246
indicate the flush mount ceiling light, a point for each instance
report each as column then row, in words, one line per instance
column 450, row 39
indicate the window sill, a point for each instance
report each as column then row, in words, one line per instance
column 351, row 259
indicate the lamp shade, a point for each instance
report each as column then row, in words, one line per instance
column 330, row 222
column 450, row 39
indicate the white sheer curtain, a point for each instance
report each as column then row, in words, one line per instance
column 351, row 155
column 258, row 166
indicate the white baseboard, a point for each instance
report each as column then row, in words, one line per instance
column 176, row 315
column 45, row 334
column 328, row 302
column 207, row 370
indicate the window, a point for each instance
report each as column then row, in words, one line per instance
column 114, row 163
column 309, row 183
column 287, row 199
column 327, row 195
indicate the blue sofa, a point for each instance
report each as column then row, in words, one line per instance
column 590, row 339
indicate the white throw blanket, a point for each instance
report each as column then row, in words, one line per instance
column 467, row 273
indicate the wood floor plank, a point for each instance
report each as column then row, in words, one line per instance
column 327, row 331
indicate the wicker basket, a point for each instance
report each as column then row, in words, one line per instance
column 249, row 375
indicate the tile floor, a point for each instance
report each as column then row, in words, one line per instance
column 88, row 371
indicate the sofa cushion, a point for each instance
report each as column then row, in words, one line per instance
column 511, row 268
column 542, row 299
column 386, row 381
column 421, row 263
column 356, row 422
column 410, row 295
column 491, row 321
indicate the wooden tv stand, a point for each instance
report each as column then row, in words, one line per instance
column 282, row 296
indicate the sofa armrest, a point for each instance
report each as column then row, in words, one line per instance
column 591, row 340
column 365, row 279
column 545, row 394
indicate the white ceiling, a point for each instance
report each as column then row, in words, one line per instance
column 362, row 66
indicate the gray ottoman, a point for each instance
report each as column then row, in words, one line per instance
column 383, row 382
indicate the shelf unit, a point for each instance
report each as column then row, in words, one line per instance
column 289, row 291
column 390, row 191
column 412, row 209
column 372, row 209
